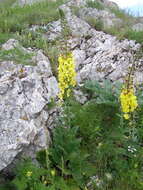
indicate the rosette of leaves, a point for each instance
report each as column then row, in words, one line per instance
column 105, row 92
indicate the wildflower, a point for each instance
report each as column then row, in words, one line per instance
column 45, row 182
column 53, row 172
column 126, row 116
column 96, row 180
column 28, row 174
column 108, row 176
column 132, row 149
column 99, row 145
column 66, row 74
column 128, row 101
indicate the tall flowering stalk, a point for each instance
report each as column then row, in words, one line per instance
column 66, row 75
column 66, row 68
column 128, row 98
column 128, row 101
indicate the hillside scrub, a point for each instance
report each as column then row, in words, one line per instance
column 123, row 30
column 17, row 55
column 17, row 19
column 95, row 145
column 95, row 4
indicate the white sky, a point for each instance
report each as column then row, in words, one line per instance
column 128, row 3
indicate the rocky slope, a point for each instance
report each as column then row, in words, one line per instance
column 26, row 91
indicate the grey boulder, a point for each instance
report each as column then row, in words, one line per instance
column 25, row 92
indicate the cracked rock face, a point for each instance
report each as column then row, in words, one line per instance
column 106, row 58
column 98, row 55
column 107, row 18
column 26, row 2
column 138, row 27
column 25, row 92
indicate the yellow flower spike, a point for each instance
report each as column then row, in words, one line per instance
column 128, row 101
column 66, row 75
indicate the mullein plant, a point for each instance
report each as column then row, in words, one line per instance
column 128, row 98
column 66, row 74
column 66, row 68
column 128, row 101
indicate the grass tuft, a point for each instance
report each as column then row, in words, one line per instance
column 17, row 55
column 95, row 4
column 17, row 19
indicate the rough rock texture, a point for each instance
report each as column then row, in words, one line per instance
column 98, row 55
column 25, row 92
column 138, row 27
column 106, row 59
column 107, row 18
column 53, row 30
column 103, row 2
column 26, row 2
column 110, row 4
column 10, row 44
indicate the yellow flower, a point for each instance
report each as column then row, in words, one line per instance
column 45, row 182
column 28, row 174
column 66, row 74
column 53, row 172
column 128, row 101
column 126, row 116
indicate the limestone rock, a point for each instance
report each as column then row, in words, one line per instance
column 53, row 30
column 107, row 18
column 26, row 2
column 106, row 57
column 10, row 44
column 138, row 27
column 25, row 92
column 80, row 96
column 77, row 26
column 110, row 4
column 98, row 55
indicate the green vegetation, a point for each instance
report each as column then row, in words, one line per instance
column 123, row 30
column 95, row 23
column 126, row 32
column 15, row 23
column 17, row 19
column 4, row 4
column 17, row 55
column 93, row 147
column 122, row 14
column 134, row 35
column 95, row 4
column 4, row 37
